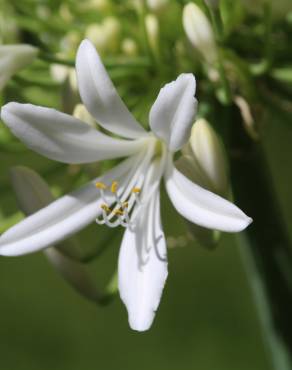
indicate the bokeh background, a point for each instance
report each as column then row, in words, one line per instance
column 207, row 319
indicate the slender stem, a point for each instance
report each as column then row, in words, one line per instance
column 267, row 237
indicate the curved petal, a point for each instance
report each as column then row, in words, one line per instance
column 61, row 218
column 202, row 207
column 172, row 114
column 100, row 96
column 62, row 137
column 143, row 266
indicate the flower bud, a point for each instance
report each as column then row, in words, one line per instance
column 199, row 32
column 69, row 43
column 100, row 5
column 104, row 35
column 152, row 29
column 59, row 72
column 208, row 156
column 32, row 194
column 82, row 113
column 129, row 47
column 13, row 58
column 203, row 161
column 157, row 5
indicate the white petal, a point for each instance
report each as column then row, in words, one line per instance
column 172, row 114
column 100, row 96
column 61, row 218
column 62, row 137
column 143, row 267
column 202, row 207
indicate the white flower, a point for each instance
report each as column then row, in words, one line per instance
column 127, row 195
column 199, row 31
column 13, row 58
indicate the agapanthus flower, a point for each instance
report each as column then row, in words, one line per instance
column 129, row 194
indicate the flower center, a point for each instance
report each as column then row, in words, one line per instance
column 119, row 213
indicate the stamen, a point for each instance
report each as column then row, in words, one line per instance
column 114, row 187
column 119, row 212
column 100, row 185
column 106, row 208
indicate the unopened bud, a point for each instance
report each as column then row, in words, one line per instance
column 59, row 72
column 13, row 58
column 82, row 113
column 129, row 47
column 204, row 162
column 199, row 32
column 152, row 29
column 207, row 151
column 104, row 35
column 157, row 5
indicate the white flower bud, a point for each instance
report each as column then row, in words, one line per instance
column 59, row 72
column 157, row 5
column 207, row 153
column 204, row 162
column 129, row 47
column 104, row 36
column 70, row 42
column 100, row 5
column 95, row 33
column 82, row 113
column 199, row 31
column 13, row 58
column 32, row 194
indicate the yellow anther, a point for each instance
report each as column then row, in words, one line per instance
column 114, row 186
column 105, row 207
column 118, row 212
column 100, row 185
column 136, row 190
column 125, row 205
